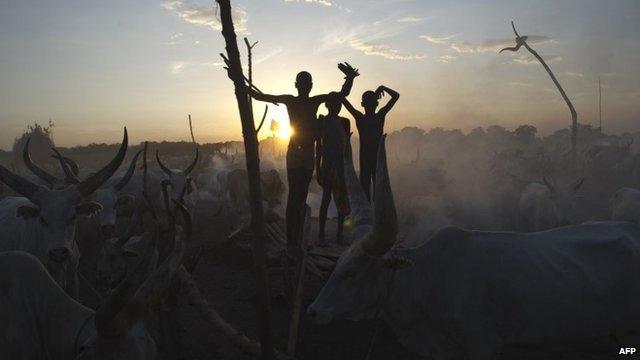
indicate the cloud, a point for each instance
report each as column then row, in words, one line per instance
column 410, row 19
column 177, row 67
column 319, row 2
column 495, row 44
column 436, row 39
column 370, row 39
column 205, row 15
column 529, row 59
column 384, row 51
column 447, row 58
column 175, row 39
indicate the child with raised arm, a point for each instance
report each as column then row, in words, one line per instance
column 303, row 119
column 370, row 128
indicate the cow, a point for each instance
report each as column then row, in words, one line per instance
column 118, row 255
column 468, row 294
column 42, row 221
column 238, row 188
column 625, row 205
column 542, row 206
column 41, row 321
column 183, row 188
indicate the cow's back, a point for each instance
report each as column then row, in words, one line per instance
column 565, row 284
column 24, row 286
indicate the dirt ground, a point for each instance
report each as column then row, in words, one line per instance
column 225, row 275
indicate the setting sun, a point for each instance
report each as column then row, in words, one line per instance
column 283, row 130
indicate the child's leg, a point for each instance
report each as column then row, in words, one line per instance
column 365, row 176
column 324, row 208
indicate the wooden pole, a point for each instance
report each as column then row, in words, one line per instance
column 574, row 115
column 294, row 324
column 600, row 103
column 253, row 171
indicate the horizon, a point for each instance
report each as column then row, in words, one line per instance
column 94, row 67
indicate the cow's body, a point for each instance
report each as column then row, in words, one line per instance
column 625, row 205
column 468, row 294
column 484, row 290
column 30, row 235
column 40, row 320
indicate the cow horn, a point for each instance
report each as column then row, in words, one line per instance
column 110, row 320
column 385, row 226
column 38, row 171
column 93, row 182
column 73, row 165
column 193, row 164
column 361, row 212
column 186, row 217
column 19, row 184
column 548, row 184
column 70, row 177
column 158, row 282
column 127, row 176
column 164, row 168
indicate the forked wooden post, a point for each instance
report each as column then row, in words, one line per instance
column 253, row 171
column 522, row 41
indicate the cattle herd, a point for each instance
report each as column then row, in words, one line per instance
column 498, row 239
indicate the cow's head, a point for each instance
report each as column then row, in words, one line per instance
column 55, row 210
column 111, row 201
column 119, row 331
column 272, row 187
column 360, row 280
column 562, row 200
column 180, row 182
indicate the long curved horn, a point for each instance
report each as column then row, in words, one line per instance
column 73, row 165
column 193, row 164
column 186, row 217
column 164, row 168
column 35, row 169
column 70, row 177
column 158, row 282
column 19, row 184
column 93, row 182
column 548, row 184
column 127, row 176
column 110, row 320
column 361, row 211
column 385, row 226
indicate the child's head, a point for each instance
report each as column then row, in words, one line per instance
column 334, row 103
column 304, row 82
column 369, row 101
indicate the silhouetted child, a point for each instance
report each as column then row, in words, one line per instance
column 370, row 128
column 334, row 134
column 302, row 111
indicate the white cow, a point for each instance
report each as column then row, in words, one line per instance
column 43, row 221
column 542, row 206
column 625, row 205
column 468, row 294
column 40, row 321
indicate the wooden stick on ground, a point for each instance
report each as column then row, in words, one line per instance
column 299, row 293
column 210, row 315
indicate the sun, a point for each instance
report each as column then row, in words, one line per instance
column 279, row 114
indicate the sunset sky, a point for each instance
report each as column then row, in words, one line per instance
column 95, row 66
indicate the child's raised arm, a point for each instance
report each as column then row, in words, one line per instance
column 394, row 98
column 355, row 113
column 275, row 99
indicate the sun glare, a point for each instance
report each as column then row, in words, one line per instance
column 279, row 114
